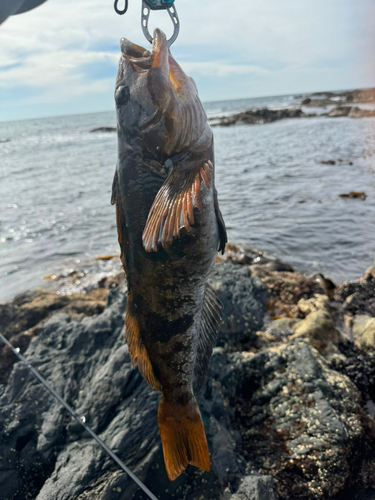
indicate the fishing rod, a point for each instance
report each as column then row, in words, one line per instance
column 80, row 419
column 147, row 7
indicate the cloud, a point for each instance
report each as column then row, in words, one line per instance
column 219, row 69
column 67, row 51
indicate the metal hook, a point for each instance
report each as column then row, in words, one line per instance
column 172, row 14
column 121, row 12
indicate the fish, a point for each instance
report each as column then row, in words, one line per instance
column 170, row 230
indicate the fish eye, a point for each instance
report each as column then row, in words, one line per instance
column 122, row 95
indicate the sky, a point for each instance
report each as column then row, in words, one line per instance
column 62, row 57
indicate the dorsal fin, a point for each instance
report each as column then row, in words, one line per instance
column 114, row 189
column 209, row 327
column 223, row 238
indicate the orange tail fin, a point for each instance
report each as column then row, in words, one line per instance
column 183, row 438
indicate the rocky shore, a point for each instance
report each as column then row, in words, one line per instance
column 340, row 104
column 288, row 403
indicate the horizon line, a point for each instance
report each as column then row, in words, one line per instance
column 203, row 102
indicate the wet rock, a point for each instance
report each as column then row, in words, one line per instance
column 357, row 95
column 328, row 284
column 48, row 455
column 370, row 273
column 323, row 102
column 359, row 366
column 245, row 254
column 358, row 297
column 287, row 289
column 364, row 331
column 255, row 488
column 339, row 111
column 273, row 264
column 103, row 130
column 356, row 112
column 282, row 328
column 245, row 300
column 306, row 101
column 239, row 254
column 355, row 195
column 318, row 327
column 293, row 414
column 351, row 112
column 112, row 281
column 280, row 410
column 21, row 318
column 261, row 116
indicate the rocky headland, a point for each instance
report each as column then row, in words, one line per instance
column 340, row 104
column 288, row 403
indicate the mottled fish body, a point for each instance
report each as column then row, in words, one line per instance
column 170, row 229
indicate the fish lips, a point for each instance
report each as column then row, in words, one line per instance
column 143, row 59
column 158, row 61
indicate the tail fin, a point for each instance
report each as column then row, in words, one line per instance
column 183, row 438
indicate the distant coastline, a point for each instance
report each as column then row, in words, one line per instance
column 325, row 104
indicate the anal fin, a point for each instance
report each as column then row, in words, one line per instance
column 209, row 327
column 137, row 349
column 173, row 207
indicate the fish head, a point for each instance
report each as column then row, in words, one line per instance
column 156, row 100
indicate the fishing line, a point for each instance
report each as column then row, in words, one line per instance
column 79, row 419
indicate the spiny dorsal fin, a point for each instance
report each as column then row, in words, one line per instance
column 137, row 349
column 209, row 327
column 114, row 189
column 173, row 207
column 223, row 238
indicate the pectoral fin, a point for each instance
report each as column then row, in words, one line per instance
column 173, row 207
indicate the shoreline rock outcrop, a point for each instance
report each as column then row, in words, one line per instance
column 286, row 404
column 341, row 104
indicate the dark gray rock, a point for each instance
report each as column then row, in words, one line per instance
column 300, row 422
column 280, row 411
column 255, row 488
column 358, row 297
column 103, row 130
column 45, row 454
column 245, row 299
column 261, row 116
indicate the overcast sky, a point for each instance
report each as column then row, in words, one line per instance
column 61, row 58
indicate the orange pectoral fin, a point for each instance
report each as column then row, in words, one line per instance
column 183, row 438
column 173, row 207
column 137, row 349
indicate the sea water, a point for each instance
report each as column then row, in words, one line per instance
column 274, row 192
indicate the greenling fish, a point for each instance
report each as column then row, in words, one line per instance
column 170, row 229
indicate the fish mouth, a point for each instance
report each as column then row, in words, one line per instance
column 158, row 60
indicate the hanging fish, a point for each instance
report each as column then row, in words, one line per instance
column 170, row 229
